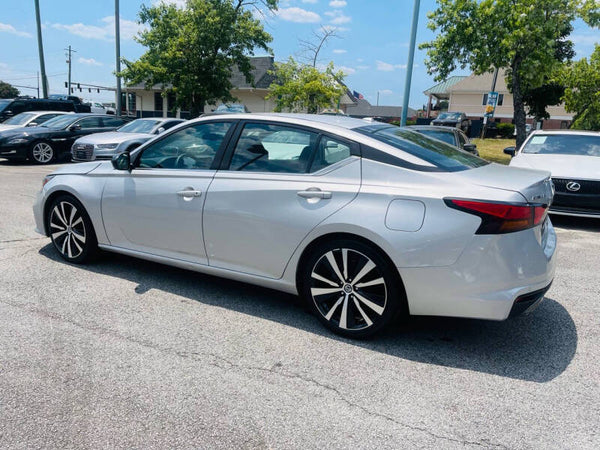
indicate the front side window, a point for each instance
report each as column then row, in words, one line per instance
column 273, row 148
column 90, row 122
column 191, row 148
column 111, row 122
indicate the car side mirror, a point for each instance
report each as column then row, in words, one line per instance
column 75, row 128
column 32, row 124
column 121, row 161
column 471, row 148
column 510, row 151
column 8, row 113
column 160, row 130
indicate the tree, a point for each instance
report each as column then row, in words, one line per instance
column 7, row 90
column 522, row 36
column 312, row 47
column 300, row 87
column 192, row 50
column 582, row 92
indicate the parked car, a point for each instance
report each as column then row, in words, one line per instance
column 453, row 119
column 53, row 138
column 12, row 107
column 231, row 108
column 573, row 158
column 363, row 220
column 96, row 107
column 127, row 137
column 450, row 135
column 29, row 119
column 80, row 105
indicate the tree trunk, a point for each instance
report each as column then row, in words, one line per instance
column 312, row 106
column 518, row 104
column 197, row 107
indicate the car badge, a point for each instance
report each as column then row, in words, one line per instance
column 573, row 186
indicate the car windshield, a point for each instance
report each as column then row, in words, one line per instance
column 139, row 126
column 443, row 156
column 19, row 119
column 563, row 144
column 60, row 122
column 438, row 134
column 449, row 116
column 4, row 103
column 231, row 108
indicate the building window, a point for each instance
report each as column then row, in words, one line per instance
column 132, row 97
column 170, row 102
column 500, row 100
column 158, row 102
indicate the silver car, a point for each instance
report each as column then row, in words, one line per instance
column 363, row 220
column 129, row 136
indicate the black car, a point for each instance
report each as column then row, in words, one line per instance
column 12, row 107
column 453, row 119
column 452, row 136
column 53, row 138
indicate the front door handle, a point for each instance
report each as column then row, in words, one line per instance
column 314, row 193
column 189, row 193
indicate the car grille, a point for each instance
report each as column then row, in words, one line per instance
column 83, row 152
column 585, row 199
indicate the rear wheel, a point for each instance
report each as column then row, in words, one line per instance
column 351, row 287
column 41, row 153
column 71, row 230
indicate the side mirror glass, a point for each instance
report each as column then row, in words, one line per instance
column 160, row 130
column 510, row 151
column 75, row 128
column 121, row 161
column 471, row 148
column 32, row 124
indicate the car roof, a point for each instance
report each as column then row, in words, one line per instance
column 432, row 127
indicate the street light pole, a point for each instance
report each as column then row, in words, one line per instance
column 411, row 56
column 41, row 50
column 118, row 53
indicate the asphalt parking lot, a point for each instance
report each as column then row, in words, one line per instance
column 124, row 353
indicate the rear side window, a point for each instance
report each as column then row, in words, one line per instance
column 444, row 157
column 90, row 122
column 330, row 151
column 112, row 122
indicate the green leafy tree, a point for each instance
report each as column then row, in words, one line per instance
column 7, row 90
column 538, row 99
column 192, row 50
column 299, row 87
column 582, row 92
column 522, row 36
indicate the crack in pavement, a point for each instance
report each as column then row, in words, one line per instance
column 225, row 364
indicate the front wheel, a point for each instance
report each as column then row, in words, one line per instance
column 71, row 230
column 351, row 287
column 41, row 153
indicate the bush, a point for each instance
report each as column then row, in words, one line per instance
column 506, row 130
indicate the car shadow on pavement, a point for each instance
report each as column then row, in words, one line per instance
column 536, row 347
column 576, row 223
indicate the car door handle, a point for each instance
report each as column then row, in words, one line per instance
column 314, row 193
column 189, row 193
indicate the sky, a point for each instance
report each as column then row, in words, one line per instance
column 371, row 46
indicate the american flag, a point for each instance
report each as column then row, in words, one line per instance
column 358, row 95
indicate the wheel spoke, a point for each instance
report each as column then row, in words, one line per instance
column 77, row 222
column 58, row 234
column 322, row 291
column 334, row 307
column 69, row 250
column 370, row 283
column 378, row 309
column 345, row 262
column 60, row 227
column 64, row 245
column 362, row 313
column 57, row 212
column 73, row 212
column 74, row 241
column 334, row 266
column 64, row 215
column 78, row 236
column 344, row 315
column 316, row 276
column 369, row 265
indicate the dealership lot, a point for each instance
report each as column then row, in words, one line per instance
column 126, row 353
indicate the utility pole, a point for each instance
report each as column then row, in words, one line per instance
column 377, row 98
column 118, row 53
column 493, row 89
column 38, row 84
column 411, row 57
column 69, row 50
column 41, row 49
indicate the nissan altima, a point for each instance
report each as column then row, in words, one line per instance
column 365, row 221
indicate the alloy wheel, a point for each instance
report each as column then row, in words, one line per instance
column 67, row 229
column 348, row 289
column 42, row 153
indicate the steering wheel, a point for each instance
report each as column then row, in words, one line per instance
column 180, row 162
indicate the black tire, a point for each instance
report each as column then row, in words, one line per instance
column 71, row 231
column 41, row 152
column 370, row 302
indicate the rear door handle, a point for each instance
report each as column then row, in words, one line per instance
column 189, row 193
column 314, row 193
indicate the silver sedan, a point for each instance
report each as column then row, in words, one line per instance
column 364, row 220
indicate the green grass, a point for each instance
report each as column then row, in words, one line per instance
column 492, row 149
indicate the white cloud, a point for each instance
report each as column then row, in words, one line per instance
column 387, row 67
column 299, row 15
column 347, row 70
column 386, row 92
column 338, row 17
column 362, row 67
column 5, row 27
column 310, row 1
column 89, row 62
column 337, row 3
column 104, row 32
column 340, row 51
column 585, row 39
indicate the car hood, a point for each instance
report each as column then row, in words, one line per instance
column 25, row 131
column 76, row 169
column 112, row 137
column 8, row 127
column 561, row 166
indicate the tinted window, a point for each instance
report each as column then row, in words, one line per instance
column 112, row 122
column 18, row 107
column 170, row 124
column 60, row 122
column 90, row 122
column 462, row 139
column 19, row 119
column 4, row 104
column 44, row 117
column 193, row 147
column 329, row 152
column 445, row 136
column 563, row 144
column 443, row 156
column 273, row 148
column 139, row 126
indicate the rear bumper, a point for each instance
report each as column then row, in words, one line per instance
column 487, row 279
column 526, row 303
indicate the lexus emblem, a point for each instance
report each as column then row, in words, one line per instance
column 573, row 186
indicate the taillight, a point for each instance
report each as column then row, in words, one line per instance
column 498, row 217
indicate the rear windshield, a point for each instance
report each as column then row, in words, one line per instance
column 19, row 119
column 443, row 156
column 563, row 144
